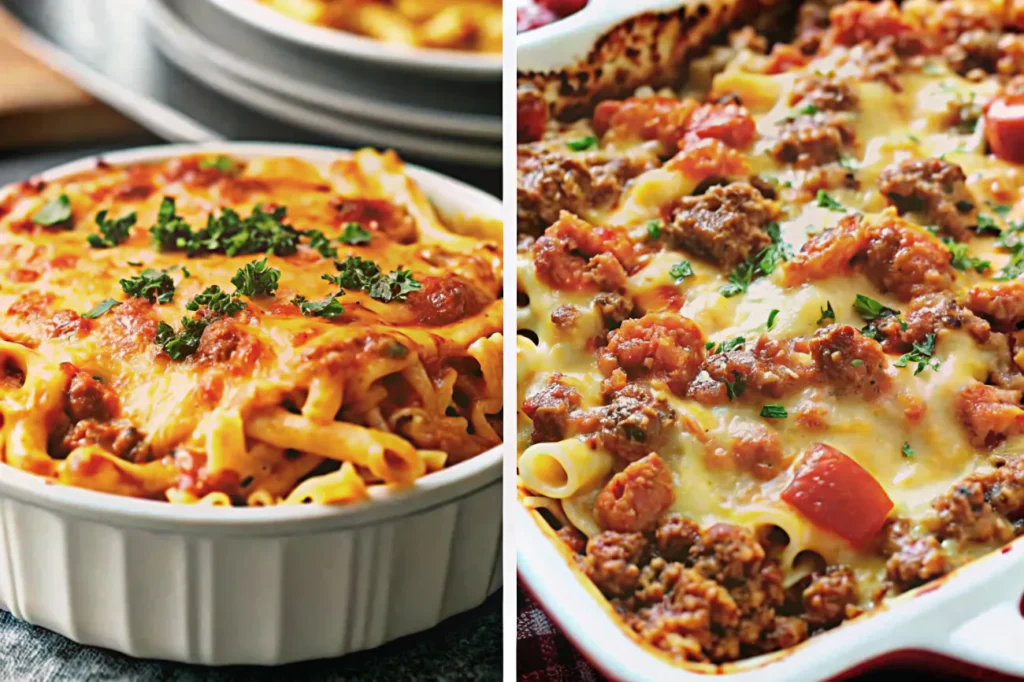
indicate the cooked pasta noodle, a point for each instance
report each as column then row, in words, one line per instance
column 213, row 330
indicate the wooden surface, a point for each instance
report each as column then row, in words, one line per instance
column 39, row 107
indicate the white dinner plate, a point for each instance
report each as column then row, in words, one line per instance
column 348, row 88
column 343, row 128
column 441, row 63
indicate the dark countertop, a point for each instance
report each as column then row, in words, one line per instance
column 464, row 647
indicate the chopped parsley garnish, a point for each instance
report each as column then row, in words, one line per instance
column 914, row 138
column 654, row 230
column 870, row 309
column 155, row 286
column 921, row 354
column 856, row 362
column 394, row 286
column 1001, row 209
column 770, row 257
column 354, row 273
column 354, row 233
column 1012, row 238
column 825, row 200
column 113, row 231
column 256, row 279
column 54, row 212
column 709, row 346
column 101, row 308
column 771, row 318
column 827, row 313
column 731, row 344
column 328, row 307
column 228, row 233
column 907, row 451
column 582, row 144
column 735, row 389
column 805, row 110
column 180, row 345
column 933, row 69
column 1013, row 269
column 217, row 301
column 739, row 280
column 681, row 271
column 359, row 274
column 321, row 243
column 134, row 263
column 764, row 262
column 773, row 411
column 986, row 224
column 225, row 164
column 961, row 260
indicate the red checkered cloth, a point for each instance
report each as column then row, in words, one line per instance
column 543, row 653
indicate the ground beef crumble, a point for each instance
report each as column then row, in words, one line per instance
column 711, row 594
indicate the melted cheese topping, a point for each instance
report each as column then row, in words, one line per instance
column 271, row 396
column 890, row 126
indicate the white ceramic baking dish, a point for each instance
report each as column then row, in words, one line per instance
column 253, row 585
column 973, row 618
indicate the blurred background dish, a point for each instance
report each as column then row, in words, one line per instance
column 460, row 38
column 191, row 71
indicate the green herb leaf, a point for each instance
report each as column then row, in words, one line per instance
column 228, row 233
column 827, row 313
column 113, row 231
column 582, row 144
column 773, row 411
column 353, row 233
column 654, row 230
column 735, row 389
column 180, row 345
column 54, row 212
column 394, row 286
column 856, row 362
column 101, row 308
column 681, row 271
column 319, row 242
column 986, row 224
column 908, row 451
column 155, row 286
column 770, row 257
column 870, row 309
column 961, row 260
column 921, row 354
column 771, row 318
column 225, row 164
column 739, row 280
column 217, row 301
column 731, row 344
column 256, row 279
column 328, row 307
column 825, row 200
column 354, row 273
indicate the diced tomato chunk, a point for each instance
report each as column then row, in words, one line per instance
column 839, row 495
column 730, row 123
column 1004, row 128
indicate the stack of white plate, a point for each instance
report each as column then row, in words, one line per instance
column 434, row 104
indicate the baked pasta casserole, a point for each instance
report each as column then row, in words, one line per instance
column 771, row 324
column 470, row 25
column 245, row 331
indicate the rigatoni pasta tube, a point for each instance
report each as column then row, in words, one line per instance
column 387, row 456
column 563, row 468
